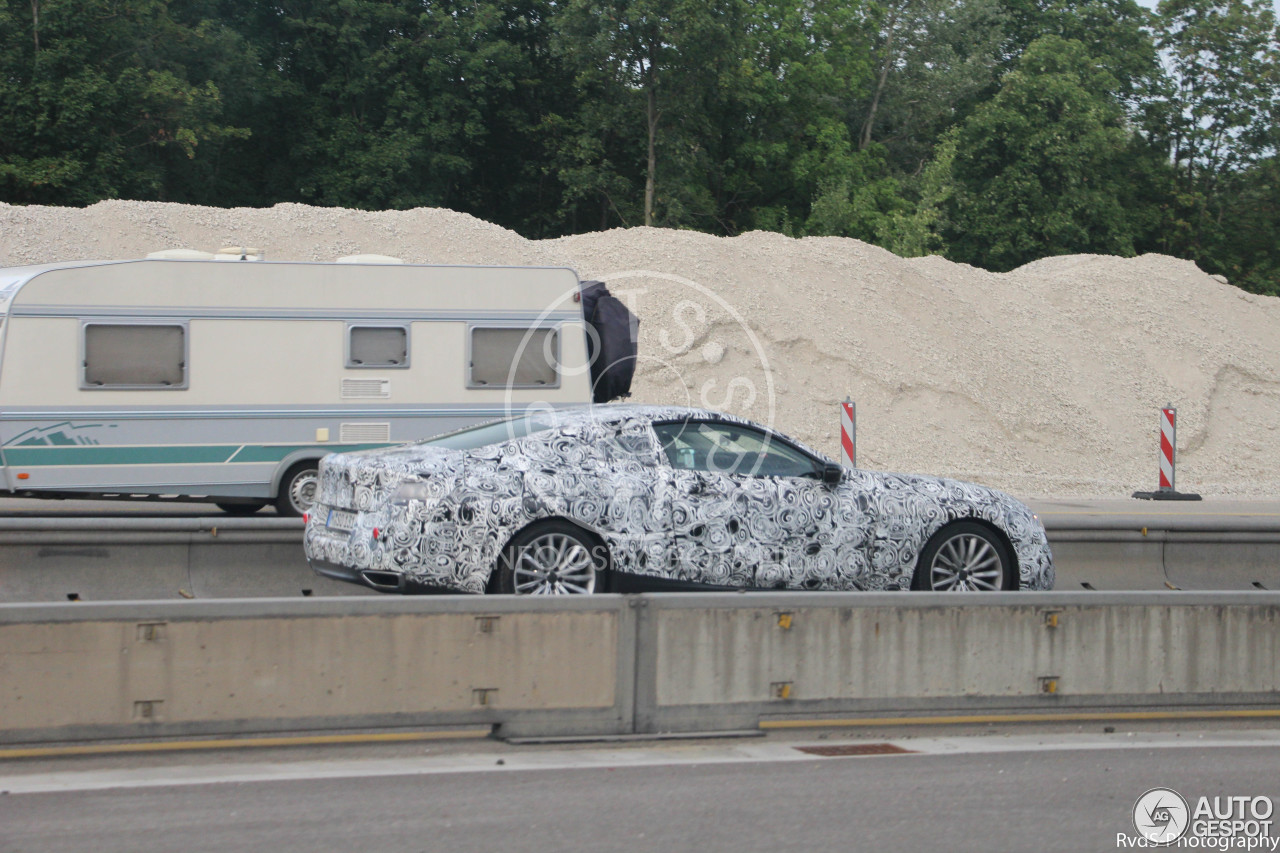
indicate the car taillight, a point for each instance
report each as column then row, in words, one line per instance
column 306, row 517
column 376, row 531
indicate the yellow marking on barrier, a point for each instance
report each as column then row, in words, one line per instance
column 1133, row 716
column 240, row 743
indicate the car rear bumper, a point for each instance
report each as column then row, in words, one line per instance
column 377, row 579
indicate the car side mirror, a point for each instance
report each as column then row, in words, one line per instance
column 831, row 473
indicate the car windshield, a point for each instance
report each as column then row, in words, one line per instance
column 493, row 432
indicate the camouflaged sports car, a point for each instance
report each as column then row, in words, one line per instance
column 629, row 498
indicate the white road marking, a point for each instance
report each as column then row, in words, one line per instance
column 613, row 757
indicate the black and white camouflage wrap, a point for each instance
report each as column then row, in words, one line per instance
column 602, row 469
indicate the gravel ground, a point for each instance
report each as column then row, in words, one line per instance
column 1042, row 381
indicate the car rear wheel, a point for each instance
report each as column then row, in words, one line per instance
column 964, row 557
column 298, row 489
column 555, row 558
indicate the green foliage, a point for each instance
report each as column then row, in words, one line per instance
column 1243, row 243
column 1214, row 114
column 1114, row 32
column 919, row 230
column 1217, row 108
column 991, row 131
column 96, row 102
column 939, row 59
column 1041, row 168
column 400, row 104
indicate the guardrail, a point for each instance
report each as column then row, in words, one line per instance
column 619, row 664
column 1195, row 555
column 114, row 558
column 122, row 558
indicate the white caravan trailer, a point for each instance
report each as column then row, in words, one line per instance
column 228, row 380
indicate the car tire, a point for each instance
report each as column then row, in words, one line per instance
column 242, row 507
column 552, row 558
column 298, row 489
column 965, row 557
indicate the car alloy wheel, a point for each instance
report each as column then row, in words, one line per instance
column 553, row 557
column 554, row 564
column 964, row 557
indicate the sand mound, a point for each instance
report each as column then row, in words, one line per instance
column 1044, row 381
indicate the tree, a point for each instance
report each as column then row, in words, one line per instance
column 1116, row 33
column 639, row 60
column 1042, row 168
column 94, row 94
column 936, row 59
column 1214, row 114
column 730, row 114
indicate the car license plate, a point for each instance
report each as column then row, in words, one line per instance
column 340, row 519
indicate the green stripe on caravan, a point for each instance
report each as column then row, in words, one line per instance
column 140, row 455
column 34, row 457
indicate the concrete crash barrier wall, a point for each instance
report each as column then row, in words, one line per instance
column 122, row 558
column 619, row 664
column 110, row 559
column 134, row 669
column 1145, row 558
column 741, row 659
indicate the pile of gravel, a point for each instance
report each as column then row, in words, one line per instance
column 1044, row 381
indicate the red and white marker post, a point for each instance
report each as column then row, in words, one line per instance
column 1168, row 446
column 1168, row 450
column 849, row 433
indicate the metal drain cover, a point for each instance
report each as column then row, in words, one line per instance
column 855, row 749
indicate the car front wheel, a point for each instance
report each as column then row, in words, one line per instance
column 555, row 558
column 964, row 557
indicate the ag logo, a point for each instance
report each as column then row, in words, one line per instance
column 1161, row 815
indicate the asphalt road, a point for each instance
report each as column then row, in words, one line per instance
column 1046, row 792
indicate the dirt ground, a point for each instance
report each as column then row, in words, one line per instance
column 1044, row 381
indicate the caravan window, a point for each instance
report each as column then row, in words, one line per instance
column 134, row 355
column 514, row 357
column 377, row 346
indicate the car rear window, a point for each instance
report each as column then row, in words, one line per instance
column 492, row 433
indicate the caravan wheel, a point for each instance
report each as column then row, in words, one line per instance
column 298, row 489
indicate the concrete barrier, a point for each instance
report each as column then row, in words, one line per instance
column 619, row 664
column 740, row 659
column 1108, row 560
column 114, row 559
column 125, row 558
column 1222, row 560
column 1191, row 557
column 133, row 669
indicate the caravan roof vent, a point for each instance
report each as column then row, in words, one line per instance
column 369, row 259
column 238, row 253
column 180, row 255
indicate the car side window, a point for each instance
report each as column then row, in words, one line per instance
column 724, row 448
